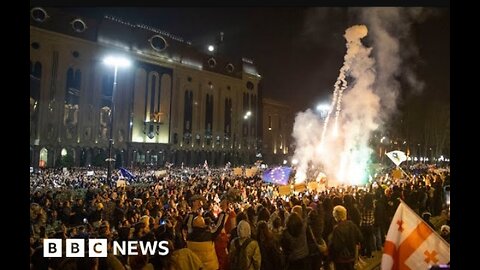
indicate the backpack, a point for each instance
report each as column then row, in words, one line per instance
column 239, row 259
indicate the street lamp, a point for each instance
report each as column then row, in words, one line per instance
column 116, row 62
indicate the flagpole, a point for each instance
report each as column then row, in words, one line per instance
column 409, row 177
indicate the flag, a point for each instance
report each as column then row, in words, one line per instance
column 412, row 244
column 277, row 175
column 126, row 173
column 397, row 156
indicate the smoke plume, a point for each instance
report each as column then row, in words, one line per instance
column 364, row 96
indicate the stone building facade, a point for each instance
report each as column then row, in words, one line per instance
column 174, row 103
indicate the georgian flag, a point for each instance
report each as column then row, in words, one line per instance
column 397, row 156
column 412, row 244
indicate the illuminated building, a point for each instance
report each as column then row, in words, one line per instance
column 277, row 124
column 174, row 103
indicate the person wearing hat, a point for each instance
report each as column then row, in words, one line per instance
column 200, row 241
column 245, row 251
column 426, row 217
column 445, row 232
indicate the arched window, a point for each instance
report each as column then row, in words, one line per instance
column 228, row 117
column 35, row 84
column 107, row 90
column 187, row 116
column 43, row 158
column 209, row 114
column 72, row 100
column 253, row 108
column 72, row 89
column 35, row 78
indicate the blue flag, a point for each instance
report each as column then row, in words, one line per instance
column 126, row 173
column 277, row 175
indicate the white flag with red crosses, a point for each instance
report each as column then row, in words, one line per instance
column 412, row 244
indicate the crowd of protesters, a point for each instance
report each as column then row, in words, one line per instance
column 213, row 219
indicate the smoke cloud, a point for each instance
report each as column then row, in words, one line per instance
column 364, row 97
column 390, row 31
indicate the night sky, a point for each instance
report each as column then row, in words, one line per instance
column 299, row 51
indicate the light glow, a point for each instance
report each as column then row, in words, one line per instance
column 117, row 61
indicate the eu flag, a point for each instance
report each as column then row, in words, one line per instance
column 277, row 175
column 126, row 173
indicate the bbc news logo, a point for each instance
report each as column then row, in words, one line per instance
column 98, row 247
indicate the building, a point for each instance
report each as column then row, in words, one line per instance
column 174, row 103
column 277, row 127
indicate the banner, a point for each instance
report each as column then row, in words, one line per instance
column 251, row 171
column 237, row 171
column 300, row 187
column 412, row 244
column 284, row 190
column 312, row 185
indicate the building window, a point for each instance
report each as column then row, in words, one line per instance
column 72, row 91
column 35, row 45
column 72, row 98
column 208, row 116
column 35, row 76
column 212, row 62
column 35, row 79
column 158, row 43
column 228, row 117
column 187, row 116
column 230, row 68
column 250, row 86
column 78, row 25
column 38, row 14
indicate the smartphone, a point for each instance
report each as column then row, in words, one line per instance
column 85, row 221
column 163, row 221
